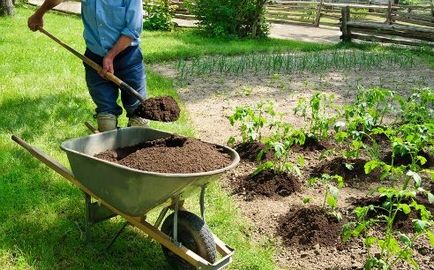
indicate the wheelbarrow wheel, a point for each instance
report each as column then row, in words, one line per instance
column 193, row 234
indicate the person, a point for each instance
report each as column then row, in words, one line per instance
column 112, row 35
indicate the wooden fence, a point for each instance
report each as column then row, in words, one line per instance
column 399, row 28
column 328, row 13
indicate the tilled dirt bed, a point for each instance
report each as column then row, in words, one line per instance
column 174, row 154
column 306, row 237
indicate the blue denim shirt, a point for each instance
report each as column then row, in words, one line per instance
column 106, row 20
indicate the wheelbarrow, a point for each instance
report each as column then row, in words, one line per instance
column 111, row 189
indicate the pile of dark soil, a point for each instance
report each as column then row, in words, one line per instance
column 307, row 227
column 269, row 183
column 170, row 155
column 310, row 144
column 163, row 109
column 341, row 166
column 249, row 151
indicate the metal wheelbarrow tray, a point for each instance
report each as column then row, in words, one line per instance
column 132, row 193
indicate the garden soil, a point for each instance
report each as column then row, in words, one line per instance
column 211, row 99
column 268, row 183
column 164, row 109
column 171, row 155
column 310, row 226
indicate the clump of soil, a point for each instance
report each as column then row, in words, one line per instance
column 310, row 144
column 163, row 109
column 249, row 151
column 352, row 170
column 174, row 154
column 269, row 183
column 307, row 227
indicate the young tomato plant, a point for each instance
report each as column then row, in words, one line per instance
column 332, row 186
column 394, row 246
column 251, row 121
column 279, row 144
column 418, row 108
column 315, row 113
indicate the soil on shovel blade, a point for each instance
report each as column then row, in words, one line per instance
column 170, row 155
column 164, row 109
column 269, row 183
column 307, row 227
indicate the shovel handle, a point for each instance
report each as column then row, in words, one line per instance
column 109, row 76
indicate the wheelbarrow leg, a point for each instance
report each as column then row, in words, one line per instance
column 202, row 202
column 87, row 220
column 175, row 223
column 117, row 235
column 161, row 217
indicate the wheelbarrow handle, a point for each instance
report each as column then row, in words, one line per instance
column 109, row 76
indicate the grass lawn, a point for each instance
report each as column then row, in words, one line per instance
column 44, row 100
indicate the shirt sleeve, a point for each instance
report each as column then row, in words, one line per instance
column 133, row 19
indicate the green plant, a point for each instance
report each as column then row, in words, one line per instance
column 293, row 63
column 279, row 144
column 418, row 108
column 251, row 120
column 394, row 246
column 230, row 18
column 332, row 185
column 315, row 112
column 159, row 15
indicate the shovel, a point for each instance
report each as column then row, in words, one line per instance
column 164, row 109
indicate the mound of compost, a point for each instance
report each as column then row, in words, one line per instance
column 170, row 155
column 310, row 144
column 403, row 222
column 307, row 227
column 269, row 183
column 341, row 166
column 163, row 109
column 249, row 151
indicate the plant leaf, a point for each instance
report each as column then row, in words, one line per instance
column 416, row 177
column 430, row 198
column 430, row 235
column 419, row 225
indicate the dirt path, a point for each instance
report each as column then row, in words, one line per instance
column 283, row 31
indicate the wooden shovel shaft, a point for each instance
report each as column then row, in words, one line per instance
column 109, row 76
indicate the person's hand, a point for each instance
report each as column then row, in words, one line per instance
column 107, row 65
column 35, row 21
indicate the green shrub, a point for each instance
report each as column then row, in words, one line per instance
column 230, row 18
column 159, row 15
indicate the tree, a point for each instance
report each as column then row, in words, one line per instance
column 6, row 7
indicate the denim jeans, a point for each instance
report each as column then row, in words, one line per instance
column 128, row 66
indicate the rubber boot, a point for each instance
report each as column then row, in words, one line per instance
column 136, row 121
column 106, row 121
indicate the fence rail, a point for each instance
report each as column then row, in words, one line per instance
column 320, row 12
column 397, row 29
